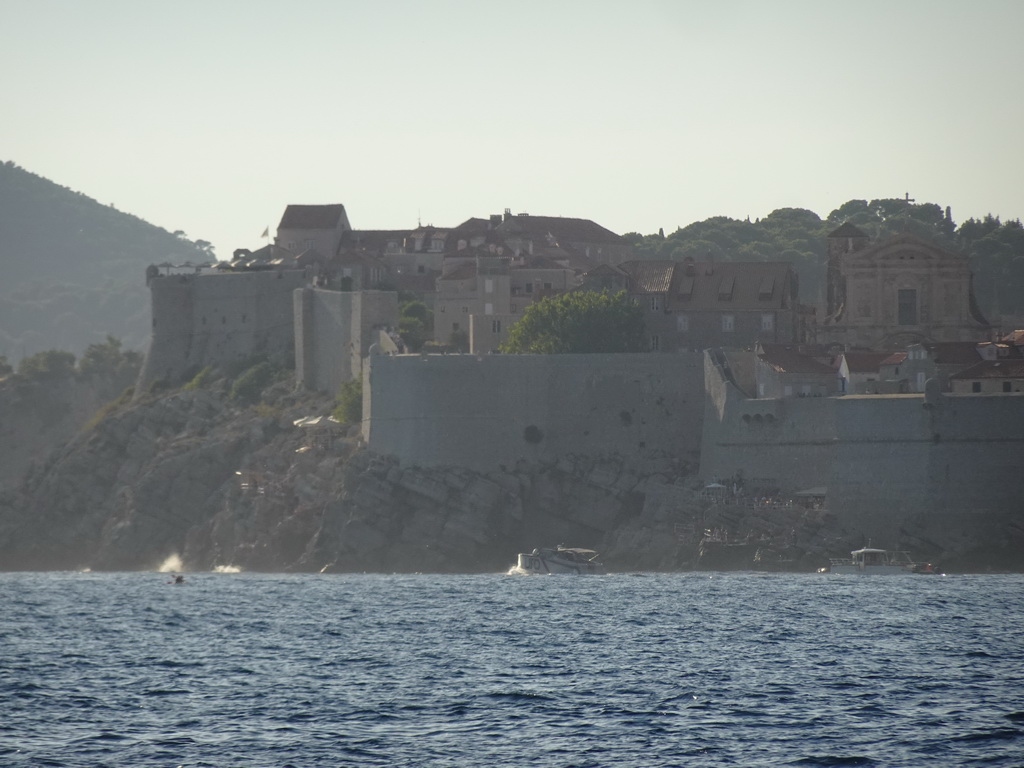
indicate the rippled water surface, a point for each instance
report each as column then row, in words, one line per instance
column 619, row 670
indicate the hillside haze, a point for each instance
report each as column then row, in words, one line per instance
column 74, row 268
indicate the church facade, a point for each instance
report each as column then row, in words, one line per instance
column 900, row 291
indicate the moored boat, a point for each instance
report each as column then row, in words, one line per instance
column 870, row 561
column 559, row 560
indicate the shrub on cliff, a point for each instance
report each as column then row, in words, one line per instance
column 103, row 413
column 48, row 366
column 250, row 385
column 350, row 402
column 200, row 380
column 110, row 361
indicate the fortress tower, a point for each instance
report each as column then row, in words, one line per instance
column 217, row 318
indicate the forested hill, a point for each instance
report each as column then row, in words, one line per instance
column 73, row 269
column 797, row 235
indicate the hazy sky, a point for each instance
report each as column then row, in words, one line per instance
column 211, row 116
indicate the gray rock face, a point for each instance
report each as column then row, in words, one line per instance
column 192, row 475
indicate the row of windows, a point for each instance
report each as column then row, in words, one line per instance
column 728, row 323
column 976, row 386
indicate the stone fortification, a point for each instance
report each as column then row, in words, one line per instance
column 487, row 411
column 890, row 463
column 334, row 331
column 194, row 474
column 218, row 318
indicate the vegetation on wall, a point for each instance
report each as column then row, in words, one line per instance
column 350, row 402
column 415, row 324
column 578, row 322
column 250, row 385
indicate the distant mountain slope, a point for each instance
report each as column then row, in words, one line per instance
column 73, row 269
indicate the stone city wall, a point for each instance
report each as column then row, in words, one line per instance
column 334, row 331
column 487, row 411
column 885, row 459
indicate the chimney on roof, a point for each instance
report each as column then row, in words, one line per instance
column 508, row 214
column 689, row 267
column 495, row 220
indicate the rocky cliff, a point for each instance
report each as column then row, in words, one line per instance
column 193, row 477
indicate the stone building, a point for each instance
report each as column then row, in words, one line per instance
column 783, row 371
column 320, row 228
column 693, row 305
column 990, row 377
column 900, row 291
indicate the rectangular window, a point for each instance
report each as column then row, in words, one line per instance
column 975, row 386
column 1007, row 387
column 529, row 287
column 767, row 321
column 907, row 298
column 547, row 286
column 488, row 309
column 495, row 326
column 655, row 304
column 655, row 343
column 728, row 323
column 683, row 323
column 465, row 310
column 488, row 285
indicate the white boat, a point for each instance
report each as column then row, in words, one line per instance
column 878, row 561
column 559, row 560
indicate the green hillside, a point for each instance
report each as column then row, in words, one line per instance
column 74, row 268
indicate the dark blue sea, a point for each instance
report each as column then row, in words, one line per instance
column 497, row 670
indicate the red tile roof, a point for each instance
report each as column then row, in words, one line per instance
column 865, row 362
column 649, row 276
column 1015, row 337
column 894, row 359
column 312, row 216
column 564, row 230
column 462, row 271
column 730, row 285
column 846, row 229
column 993, row 369
column 953, row 352
column 788, row 360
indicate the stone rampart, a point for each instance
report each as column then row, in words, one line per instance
column 487, row 411
column 334, row 331
column 217, row 318
column 885, row 459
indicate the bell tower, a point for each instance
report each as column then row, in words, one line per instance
column 846, row 239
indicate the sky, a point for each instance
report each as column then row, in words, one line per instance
column 211, row 116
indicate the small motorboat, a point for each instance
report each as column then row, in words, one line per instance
column 559, row 560
column 869, row 561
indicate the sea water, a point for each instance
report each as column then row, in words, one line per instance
column 236, row 669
